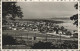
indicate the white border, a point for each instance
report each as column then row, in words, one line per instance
column 78, row 25
column 1, row 24
column 40, row 0
column 43, row 49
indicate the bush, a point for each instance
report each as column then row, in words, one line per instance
column 8, row 40
column 42, row 45
column 49, row 45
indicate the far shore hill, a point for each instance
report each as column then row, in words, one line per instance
column 53, row 20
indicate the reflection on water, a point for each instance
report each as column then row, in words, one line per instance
column 68, row 24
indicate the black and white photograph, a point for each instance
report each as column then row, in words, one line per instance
column 39, row 25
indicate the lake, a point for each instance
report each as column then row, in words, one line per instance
column 68, row 24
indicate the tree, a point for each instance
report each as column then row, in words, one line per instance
column 62, row 29
column 11, row 11
column 75, row 17
column 68, row 33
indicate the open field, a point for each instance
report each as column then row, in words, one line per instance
column 25, row 34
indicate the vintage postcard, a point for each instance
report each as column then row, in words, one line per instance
column 40, row 25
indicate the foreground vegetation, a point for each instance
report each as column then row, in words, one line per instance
column 64, row 44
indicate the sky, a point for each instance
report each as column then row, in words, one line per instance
column 32, row 10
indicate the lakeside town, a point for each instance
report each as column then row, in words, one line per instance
column 40, row 26
column 33, row 26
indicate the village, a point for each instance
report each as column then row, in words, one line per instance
column 39, row 27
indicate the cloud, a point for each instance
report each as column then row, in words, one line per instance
column 47, row 9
